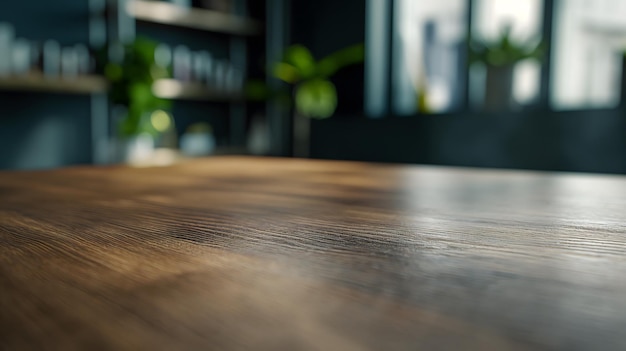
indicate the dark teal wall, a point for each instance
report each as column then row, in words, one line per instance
column 45, row 130
column 575, row 141
column 63, row 20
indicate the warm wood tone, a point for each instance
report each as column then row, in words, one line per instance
column 38, row 83
column 239, row 253
column 209, row 20
column 173, row 89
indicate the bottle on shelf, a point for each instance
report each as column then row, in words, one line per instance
column 69, row 62
column 234, row 80
column 163, row 56
column 83, row 57
column 207, row 67
column 20, row 57
column 7, row 35
column 182, row 63
column 198, row 140
column 221, row 70
column 198, row 67
column 51, row 59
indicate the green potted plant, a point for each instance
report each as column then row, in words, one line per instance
column 132, row 71
column 500, row 56
column 311, row 92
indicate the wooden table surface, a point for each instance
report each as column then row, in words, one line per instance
column 240, row 253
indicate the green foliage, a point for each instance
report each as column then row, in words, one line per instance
column 316, row 98
column 505, row 51
column 131, row 86
column 314, row 95
column 301, row 61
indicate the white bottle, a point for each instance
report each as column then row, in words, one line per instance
column 7, row 34
column 51, row 59
column 198, row 141
column 182, row 63
column 83, row 58
column 69, row 62
column 20, row 57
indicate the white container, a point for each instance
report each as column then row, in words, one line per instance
column 258, row 142
column 83, row 59
column 197, row 144
column 220, row 75
column 234, row 80
column 163, row 55
column 182, row 63
column 69, row 62
column 207, row 69
column 137, row 149
column 7, row 34
column 51, row 59
column 198, row 67
column 20, row 57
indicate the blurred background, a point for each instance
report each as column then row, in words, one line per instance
column 533, row 84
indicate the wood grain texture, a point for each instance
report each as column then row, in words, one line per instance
column 237, row 253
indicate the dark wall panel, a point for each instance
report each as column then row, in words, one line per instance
column 582, row 141
column 64, row 20
column 325, row 26
column 45, row 130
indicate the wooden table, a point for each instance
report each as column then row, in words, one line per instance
column 239, row 253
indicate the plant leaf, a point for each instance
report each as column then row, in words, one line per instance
column 340, row 59
column 286, row 72
column 316, row 98
column 257, row 90
column 300, row 58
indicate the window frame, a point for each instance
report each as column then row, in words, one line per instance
column 543, row 102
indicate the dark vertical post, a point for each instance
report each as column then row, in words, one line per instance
column 277, row 31
column 390, row 58
column 378, row 56
column 546, row 62
column 100, row 150
column 238, row 58
column 465, row 102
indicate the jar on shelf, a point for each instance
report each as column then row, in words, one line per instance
column 20, row 57
column 7, row 35
column 182, row 63
column 51, row 58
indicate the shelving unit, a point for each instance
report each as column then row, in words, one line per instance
column 225, row 35
column 175, row 90
column 38, row 83
column 208, row 20
column 230, row 30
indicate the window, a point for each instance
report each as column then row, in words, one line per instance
column 424, row 63
column 588, row 41
column 429, row 55
column 490, row 17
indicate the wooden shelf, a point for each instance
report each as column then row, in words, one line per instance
column 215, row 21
column 176, row 90
column 37, row 82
